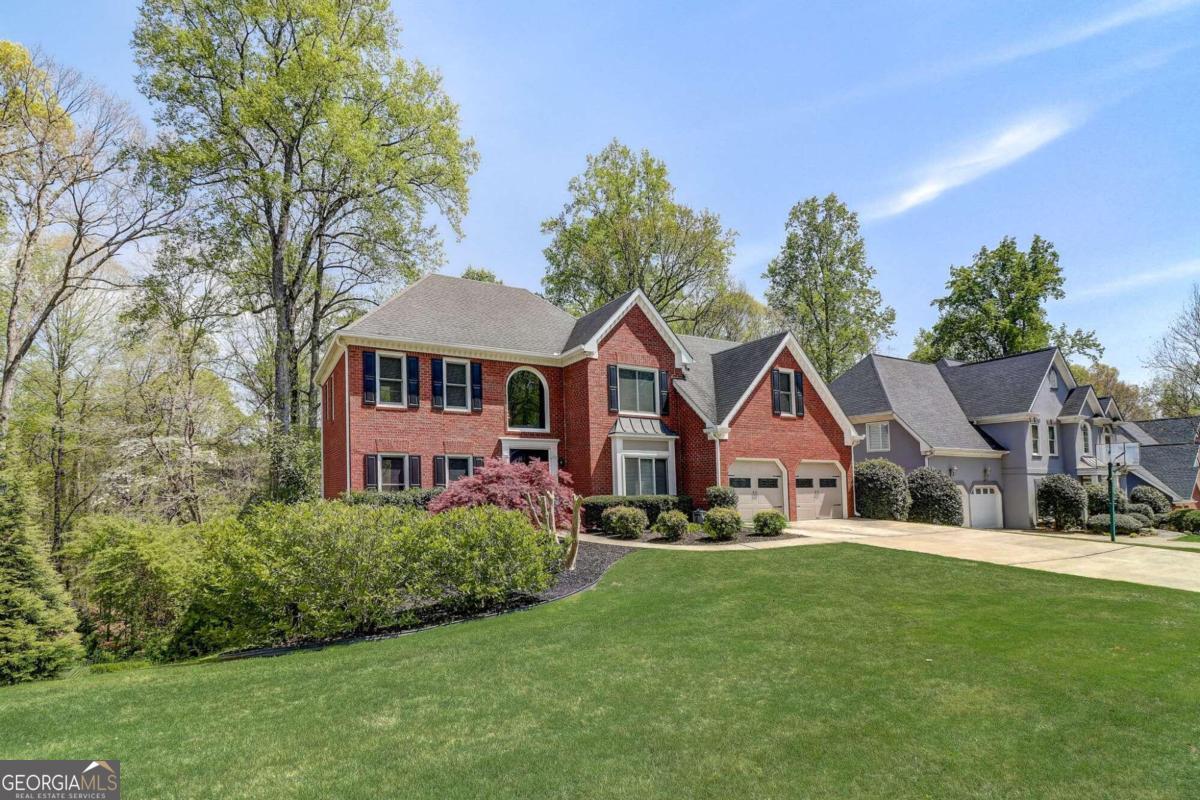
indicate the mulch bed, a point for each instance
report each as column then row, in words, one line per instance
column 590, row 565
column 698, row 537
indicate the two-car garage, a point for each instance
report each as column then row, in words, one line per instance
column 761, row 484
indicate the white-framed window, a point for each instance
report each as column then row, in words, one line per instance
column 1052, row 438
column 787, row 393
column 646, row 475
column 637, row 390
column 456, row 384
column 1086, row 432
column 879, row 437
column 393, row 472
column 528, row 399
column 1053, row 380
column 390, row 374
column 457, row 467
column 1035, row 439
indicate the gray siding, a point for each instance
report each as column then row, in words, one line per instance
column 905, row 450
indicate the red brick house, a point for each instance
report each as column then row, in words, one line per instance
column 450, row 371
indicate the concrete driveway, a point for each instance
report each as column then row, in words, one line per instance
column 1092, row 559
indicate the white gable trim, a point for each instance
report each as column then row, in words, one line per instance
column 891, row 416
column 592, row 346
column 851, row 436
column 1064, row 372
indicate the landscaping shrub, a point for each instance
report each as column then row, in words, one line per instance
column 935, row 497
column 769, row 523
column 1142, row 518
column 37, row 627
column 406, row 498
column 1184, row 520
column 1151, row 497
column 671, row 525
column 624, row 522
column 881, row 490
column 1125, row 523
column 1142, row 509
column 720, row 497
column 651, row 505
column 509, row 485
column 1097, row 495
column 1063, row 499
column 722, row 524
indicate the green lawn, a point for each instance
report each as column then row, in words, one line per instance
column 813, row 672
column 1191, row 537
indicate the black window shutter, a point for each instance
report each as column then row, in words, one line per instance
column 414, row 471
column 413, row 370
column 476, row 386
column 368, row 367
column 476, row 463
column 664, row 391
column 775, row 408
column 371, row 476
column 799, row 379
column 612, row 387
column 435, row 370
column 439, row 470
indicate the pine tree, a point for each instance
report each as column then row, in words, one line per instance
column 37, row 624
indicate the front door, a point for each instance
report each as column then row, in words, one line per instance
column 525, row 455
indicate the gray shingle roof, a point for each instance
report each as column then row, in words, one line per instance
column 735, row 368
column 917, row 393
column 641, row 426
column 454, row 311
column 590, row 324
column 699, row 385
column 1000, row 386
column 1076, row 401
column 1176, row 430
column 1173, row 464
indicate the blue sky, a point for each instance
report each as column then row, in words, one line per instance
column 946, row 125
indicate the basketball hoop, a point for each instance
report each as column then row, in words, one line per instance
column 1120, row 454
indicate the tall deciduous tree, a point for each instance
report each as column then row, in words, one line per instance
column 1106, row 380
column 309, row 136
column 622, row 229
column 736, row 315
column 996, row 307
column 823, row 288
column 481, row 274
column 1176, row 359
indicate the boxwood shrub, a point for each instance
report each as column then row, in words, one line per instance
column 1097, row 494
column 624, row 522
column 722, row 524
column 720, row 497
column 1151, row 497
column 1125, row 523
column 769, row 523
column 1063, row 499
column 671, row 525
column 935, row 497
column 1143, row 509
column 1141, row 518
column 881, row 491
column 650, row 504
column 1184, row 520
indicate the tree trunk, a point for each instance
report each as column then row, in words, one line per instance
column 314, row 348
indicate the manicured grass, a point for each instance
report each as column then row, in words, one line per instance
column 824, row 672
column 1191, row 537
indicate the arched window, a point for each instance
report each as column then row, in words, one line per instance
column 528, row 400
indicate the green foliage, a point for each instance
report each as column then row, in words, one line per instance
column 735, row 315
column 1126, row 524
column 935, row 498
column 1142, row 518
column 1148, row 495
column 481, row 274
column 1133, row 400
column 1097, row 498
column 406, row 498
column 996, row 307
column 1063, row 499
column 295, row 459
column 769, row 523
column 722, row 524
column 1142, row 509
column 823, row 288
column 671, row 525
column 651, row 504
column 1184, row 520
column 622, row 229
column 720, row 497
column 881, row 491
column 37, row 626
column 624, row 522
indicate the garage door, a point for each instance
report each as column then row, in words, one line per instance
column 759, row 486
column 985, row 507
column 818, row 491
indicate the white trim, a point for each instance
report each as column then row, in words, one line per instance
column 1052, row 440
column 889, row 416
column 403, row 359
column 592, row 346
column 842, row 470
column 785, row 481
column 379, row 457
column 657, row 405
column 466, row 387
column 346, row 386
column 510, row 443
column 885, row 430
column 792, row 394
column 619, row 452
column 1087, row 444
column 1064, row 372
column 1035, row 438
column 470, row 465
column 962, row 452
column 994, row 419
column 545, row 402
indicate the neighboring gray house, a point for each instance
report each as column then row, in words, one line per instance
column 1168, row 456
column 996, row 427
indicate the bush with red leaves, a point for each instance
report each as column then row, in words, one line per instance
column 499, row 483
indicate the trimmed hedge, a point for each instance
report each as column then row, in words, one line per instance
column 769, row 523
column 1151, row 497
column 881, row 490
column 1125, row 523
column 1097, row 495
column 406, row 498
column 1142, row 509
column 624, row 522
column 720, row 497
column 935, row 497
column 671, row 525
column 650, row 504
column 722, row 524
column 1141, row 517
column 1063, row 499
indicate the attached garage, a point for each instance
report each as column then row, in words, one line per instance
column 986, row 507
column 820, row 491
column 759, row 486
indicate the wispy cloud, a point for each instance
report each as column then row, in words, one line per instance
column 977, row 159
column 1137, row 280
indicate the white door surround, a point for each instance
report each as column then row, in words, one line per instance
column 510, row 443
